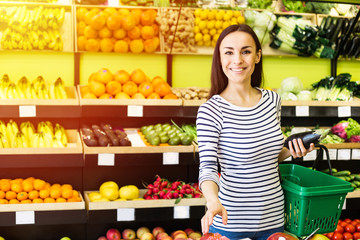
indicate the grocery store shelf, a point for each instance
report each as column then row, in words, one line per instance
column 354, row 194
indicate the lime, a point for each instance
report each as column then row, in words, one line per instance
column 129, row 192
column 187, row 140
column 155, row 141
column 164, row 139
column 174, row 140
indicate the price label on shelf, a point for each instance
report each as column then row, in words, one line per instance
column 106, row 159
column 113, row 3
column 344, row 206
column 27, row 111
column 355, row 154
column 344, row 154
column 125, row 214
column 344, row 111
column 170, row 158
column 332, row 154
column 302, row 111
column 135, row 111
column 25, row 217
column 181, row 212
column 310, row 156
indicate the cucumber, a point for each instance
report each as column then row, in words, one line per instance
column 353, row 185
column 356, row 182
column 348, row 178
column 357, row 177
column 341, row 177
column 334, row 170
column 342, row 173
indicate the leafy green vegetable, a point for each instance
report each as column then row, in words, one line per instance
column 332, row 138
column 296, row 6
column 261, row 4
column 353, row 128
column 317, row 7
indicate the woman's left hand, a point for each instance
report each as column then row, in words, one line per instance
column 297, row 148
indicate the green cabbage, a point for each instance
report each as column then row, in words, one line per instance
column 292, row 84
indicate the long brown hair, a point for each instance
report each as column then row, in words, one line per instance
column 219, row 81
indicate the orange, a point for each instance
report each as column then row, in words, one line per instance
column 124, row 11
column 22, row 196
column 110, row 10
column 147, row 32
column 81, row 43
column 16, row 187
column 44, row 193
column 105, row 33
column 89, row 32
column 49, row 200
column 47, row 185
column 88, row 16
column 136, row 46
column 170, row 96
column 121, row 76
column 138, row 96
column 147, row 79
column 146, row 88
column 105, row 14
column 106, row 45
column 162, row 89
column 128, row 22
column 92, row 45
column 150, row 45
column 55, row 192
column 156, row 29
column 106, row 96
column 67, row 186
column 92, row 77
column 26, row 201
column 95, row 10
column 119, row 33
column 84, row 90
column 130, row 88
column 27, row 186
column 136, row 15
column 97, row 88
column 113, row 22
column 104, row 75
column 39, row 184
column 33, row 194
column 4, row 201
column 122, row 95
column 14, row 201
column 113, row 87
column 5, row 185
column 147, row 17
column 37, row 200
column 89, row 96
column 157, row 80
column 81, row 28
column 30, row 179
column 10, row 195
column 60, row 199
column 75, row 193
column 80, row 13
column 67, row 193
column 2, row 194
column 127, row 40
column 55, row 186
column 121, row 46
column 154, row 95
column 76, row 199
column 138, row 76
column 134, row 33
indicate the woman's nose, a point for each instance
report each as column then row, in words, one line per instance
column 238, row 58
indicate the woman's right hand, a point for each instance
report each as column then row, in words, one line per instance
column 213, row 208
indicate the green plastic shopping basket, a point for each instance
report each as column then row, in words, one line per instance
column 313, row 199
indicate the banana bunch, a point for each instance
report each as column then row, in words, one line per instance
column 19, row 141
column 46, row 127
column 57, row 90
column 60, row 138
column 28, row 130
column 14, row 92
column 11, row 130
column 6, row 13
column 3, row 141
column 41, row 140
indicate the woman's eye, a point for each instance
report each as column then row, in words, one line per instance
column 246, row 52
column 228, row 53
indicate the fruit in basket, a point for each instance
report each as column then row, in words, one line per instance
column 94, row 196
column 128, row 234
column 129, row 192
column 113, row 234
column 141, row 230
column 147, row 236
column 157, row 230
column 281, row 236
column 319, row 237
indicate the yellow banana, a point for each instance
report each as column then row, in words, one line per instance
column 60, row 134
column 61, row 16
column 60, row 90
column 11, row 130
column 19, row 141
column 11, row 92
column 3, row 128
column 35, row 140
column 33, row 92
column 57, row 143
column 3, row 141
column 50, row 126
column 52, row 94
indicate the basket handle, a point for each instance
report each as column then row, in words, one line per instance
column 319, row 156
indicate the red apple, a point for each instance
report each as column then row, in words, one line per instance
column 129, row 234
column 157, row 230
column 206, row 236
column 141, row 231
column 147, row 236
column 188, row 231
column 102, row 238
column 178, row 234
column 113, row 234
column 161, row 235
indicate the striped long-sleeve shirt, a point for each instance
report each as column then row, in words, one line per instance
column 245, row 142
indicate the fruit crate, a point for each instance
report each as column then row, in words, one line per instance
column 138, row 146
column 66, row 29
column 72, row 100
column 74, row 146
column 312, row 199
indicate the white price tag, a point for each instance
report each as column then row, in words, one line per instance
column 135, row 111
column 355, row 154
column 287, row 159
column 344, row 111
column 332, row 154
column 125, row 214
column 170, row 158
column 344, row 154
column 310, row 156
column 25, row 217
column 344, row 206
column 302, row 111
column 181, row 212
column 27, row 111
column 113, row 3
column 106, row 159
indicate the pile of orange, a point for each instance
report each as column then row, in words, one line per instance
column 123, row 85
column 34, row 190
column 117, row 30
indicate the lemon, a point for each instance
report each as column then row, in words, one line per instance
column 213, row 43
column 240, row 19
column 204, row 14
column 219, row 15
column 109, row 184
column 200, row 43
column 220, row 30
column 206, row 38
column 202, row 24
column 227, row 16
column 198, row 37
column 215, row 37
column 197, row 12
column 196, row 29
column 110, row 193
column 237, row 13
column 207, row 43
column 213, row 32
column 205, row 31
column 210, row 24
column 197, row 21
column 230, row 13
column 218, row 24
column 94, row 195
column 1, row 238
column 211, row 15
column 225, row 24
column 129, row 192
column 136, row 199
